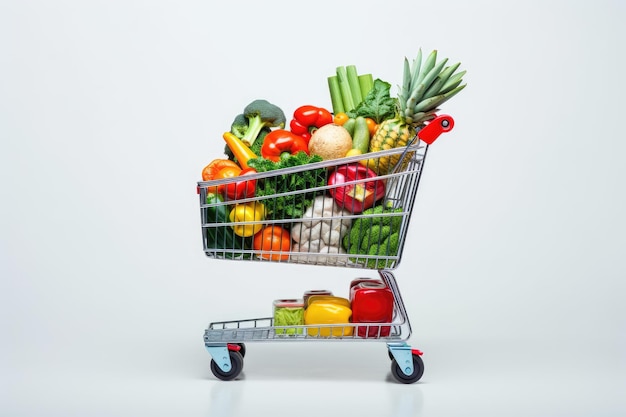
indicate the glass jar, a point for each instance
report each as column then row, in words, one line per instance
column 310, row 293
column 289, row 312
column 372, row 302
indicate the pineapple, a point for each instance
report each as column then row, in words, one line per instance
column 425, row 86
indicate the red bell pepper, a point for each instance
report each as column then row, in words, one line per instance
column 280, row 141
column 307, row 118
column 360, row 195
column 241, row 188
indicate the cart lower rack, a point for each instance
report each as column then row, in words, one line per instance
column 225, row 341
column 343, row 213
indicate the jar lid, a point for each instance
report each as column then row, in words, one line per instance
column 317, row 292
column 289, row 302
column 371, row 284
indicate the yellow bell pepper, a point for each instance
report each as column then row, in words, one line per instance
column 328, row 312
column 327, row 298
column 244, row 214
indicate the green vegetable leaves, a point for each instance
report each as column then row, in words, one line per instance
column 293, row 205
column 378, row 104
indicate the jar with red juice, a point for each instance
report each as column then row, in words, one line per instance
column 372, row 302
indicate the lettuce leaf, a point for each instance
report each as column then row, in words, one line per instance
column 378, row 104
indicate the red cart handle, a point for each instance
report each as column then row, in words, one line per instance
column 436, row 127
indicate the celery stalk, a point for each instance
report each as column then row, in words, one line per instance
column 335, row 94
column 366, row 83
column 353, row 80
column 344, row 86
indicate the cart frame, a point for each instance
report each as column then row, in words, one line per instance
column 225, row 340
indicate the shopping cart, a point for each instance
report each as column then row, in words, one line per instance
column 352, row 221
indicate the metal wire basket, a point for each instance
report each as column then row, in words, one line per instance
column 328, row 221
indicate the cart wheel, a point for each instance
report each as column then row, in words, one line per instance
column 236, row 360
column 418, row 370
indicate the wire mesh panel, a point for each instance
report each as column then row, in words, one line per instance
column 334, row 213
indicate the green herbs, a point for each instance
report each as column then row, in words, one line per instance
column 287, row 161
column 287, row 194
column 378, row 104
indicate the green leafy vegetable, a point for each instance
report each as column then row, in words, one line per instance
column 378, row 104
column 293, row 205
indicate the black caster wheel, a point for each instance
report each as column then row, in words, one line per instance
column 236, row 360
column 418, row 370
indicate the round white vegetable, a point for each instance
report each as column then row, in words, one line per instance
column 330, row 141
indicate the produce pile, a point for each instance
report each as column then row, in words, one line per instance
column 308, row 215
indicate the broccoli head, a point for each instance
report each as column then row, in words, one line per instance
column 239, row 126
column 260, row 114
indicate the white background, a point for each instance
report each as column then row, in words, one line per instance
column 514, row 267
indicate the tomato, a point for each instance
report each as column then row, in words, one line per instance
column 226, row 172
column 340, row 118
column 241, row 189
column 372, row 126
column 272, row 239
